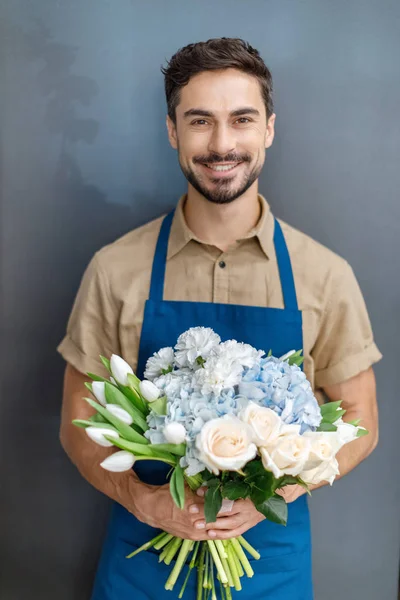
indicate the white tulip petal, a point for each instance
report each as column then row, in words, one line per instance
column 120, row 412
column 149, row 391
column 119, row 462
column 97, row 435
column 99, row 392
column 120, row 369
column 175, row 433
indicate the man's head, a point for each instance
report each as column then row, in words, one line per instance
column 220, row 115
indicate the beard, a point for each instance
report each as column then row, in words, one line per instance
column 222, row 191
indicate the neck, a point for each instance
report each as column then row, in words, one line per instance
column 221, row 225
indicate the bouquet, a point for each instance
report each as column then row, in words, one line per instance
column 222, row 415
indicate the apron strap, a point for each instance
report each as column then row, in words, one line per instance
column 282, row 256
column 160, row 259
column 285, row 269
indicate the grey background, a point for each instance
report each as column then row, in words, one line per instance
column 85, row 158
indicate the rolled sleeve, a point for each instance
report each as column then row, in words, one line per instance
column 345, row 346
column 93, row 323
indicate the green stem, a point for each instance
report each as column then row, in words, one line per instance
column 147, row 545
column 205, row 578
column 166, row 550
column 223, row 555
column 213, row 592
column 252, row 551
column 232, row 566
column 173, row 550
column 168, row 462
column 242, row 557
column 217, row 561
column 200, row 572
column 160, row 544
column 191, row 567
column 238, row 564
column 183, row 552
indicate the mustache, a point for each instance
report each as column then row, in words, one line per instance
column 217, row 158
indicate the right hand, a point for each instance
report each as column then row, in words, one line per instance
column 155, row 506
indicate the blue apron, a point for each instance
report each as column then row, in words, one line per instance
column 284, row 570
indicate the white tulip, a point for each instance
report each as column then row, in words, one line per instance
column 149, row 391
column 97, row 435
column 120, row 412
column 99, row 392
column 175, row 433
column 287, row 355
column 120, row 369
column 119, row 462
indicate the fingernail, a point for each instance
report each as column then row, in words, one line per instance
column 194, row 509
column 201, row 492
column 200, row 525
column 212, row 533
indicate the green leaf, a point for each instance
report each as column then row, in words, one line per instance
column 356, row 422
column 125, row 430
column 97, row 418
column 89, row 386
column 327, row 427
column 106, row 363
column 133, row 382
column 330, row 407
column 286, row 480
column 362, row 432
column 96, row 377
column 304, row 485
column 177, row 449
column 84, row 423
column 177, row 487
column 274, row 509
column 254, row 469
column 166, row 371
column 159, row 406
column 115, row 396
column 233, row 490
column 331, row 417
column 213, row 503
column 135, row 448
column 134, row 396
column 269, row 353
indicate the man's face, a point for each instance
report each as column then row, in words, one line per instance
column 221, row 133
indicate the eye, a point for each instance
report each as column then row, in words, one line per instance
column 199, row 122
column 244, row 120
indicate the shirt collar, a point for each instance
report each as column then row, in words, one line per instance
column 181, row 235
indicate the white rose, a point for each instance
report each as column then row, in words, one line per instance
column 324, row 446
column 287, row 456
column 326, row 471
column 225, row 444
column 264, row 423
column 345, row 432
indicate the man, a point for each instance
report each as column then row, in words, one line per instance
column 234, row 267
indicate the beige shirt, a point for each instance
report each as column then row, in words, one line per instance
column 108, row 310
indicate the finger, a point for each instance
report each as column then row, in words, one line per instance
column 226, row 534
column 226, row 523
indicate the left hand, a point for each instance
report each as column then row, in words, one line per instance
column 291, row 492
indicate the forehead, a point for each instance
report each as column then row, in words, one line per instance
column 220, row 91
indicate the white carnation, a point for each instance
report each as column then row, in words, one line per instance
column 244, row 354
column 159, row 362
column 195, row 342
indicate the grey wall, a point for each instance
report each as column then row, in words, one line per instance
column 85, row 158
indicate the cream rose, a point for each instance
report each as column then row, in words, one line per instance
column 225, row 444
column 326, row 471
column 324, row 446
column 264, row 423
column 287, row 456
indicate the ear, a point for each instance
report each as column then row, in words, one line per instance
column 172, row 135
column 270, row 132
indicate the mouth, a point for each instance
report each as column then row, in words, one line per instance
column 221, row 170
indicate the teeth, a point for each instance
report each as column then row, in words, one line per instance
column 221, row 167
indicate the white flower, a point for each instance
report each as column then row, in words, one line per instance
column 287, row 355
column 244, row 354
column 120, row 412
column 345, row 431
column 98, row 392
column 220, row 372
column 159, row 362
column 175, row 433
column 264, row 422
column 149, row 391
column 287, row 456
column 326, row 471
column 97, row 435
column 120, row 369
column 118, row 462
column 225, row 444
column 324, row 446
column 195, row 342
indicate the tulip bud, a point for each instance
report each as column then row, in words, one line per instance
column 175, row 433
column 149, row 391
column 120, row 369
column 287, row 355
column 97, row 435
column 98, row 392
column 120, row 412
column 119, row 462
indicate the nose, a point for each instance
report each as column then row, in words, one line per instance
column 222, row 140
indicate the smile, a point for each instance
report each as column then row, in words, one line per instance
column 227, row 168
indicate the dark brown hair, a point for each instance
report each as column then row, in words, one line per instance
column 217, row 53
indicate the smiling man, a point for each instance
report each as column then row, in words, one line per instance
column 236, row 268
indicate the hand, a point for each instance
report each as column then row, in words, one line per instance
column 242, row 516
column 155, row 506
column 291, row 492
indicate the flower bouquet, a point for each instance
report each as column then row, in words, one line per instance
column 225, row 416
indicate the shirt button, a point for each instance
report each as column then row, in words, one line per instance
column 222, row 264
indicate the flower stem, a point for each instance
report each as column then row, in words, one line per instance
column 232, row 566
column 163, row 542
column 184, row 551
column 207, row 560
column 191, row 567
column 173, row 550
column 200, row 572
column 217, row 561
column 223, row 556
column 147, row 545
column 242, row 557
column 238, row 564
column 166, row 550
column 248, row 547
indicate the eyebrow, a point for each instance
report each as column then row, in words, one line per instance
column 199, row 112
